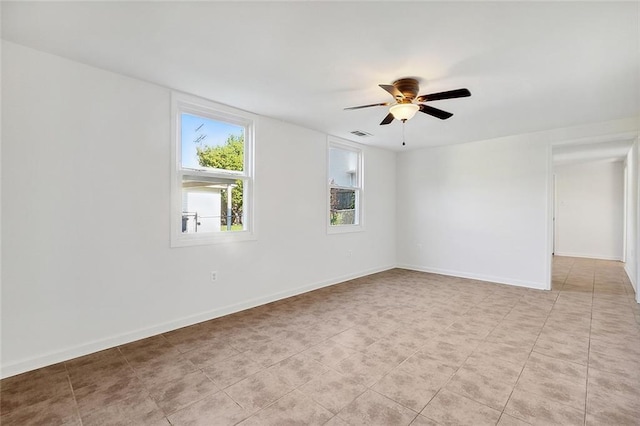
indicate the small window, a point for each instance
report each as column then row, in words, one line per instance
column 212, row 179
column 345, row 186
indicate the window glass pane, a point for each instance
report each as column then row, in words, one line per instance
column 343, row 167
column 343, row 207
column 211, row 143
column 205, row 206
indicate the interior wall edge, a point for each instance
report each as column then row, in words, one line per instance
column 44, row 360
column 550, row 200
column 480, row 277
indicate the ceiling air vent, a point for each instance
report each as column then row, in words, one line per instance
column 361, row 133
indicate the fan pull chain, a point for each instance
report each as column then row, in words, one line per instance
column 403, row 123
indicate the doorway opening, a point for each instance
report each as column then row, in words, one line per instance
column 589, row 199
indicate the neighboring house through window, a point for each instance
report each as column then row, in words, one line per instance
column 212, row 176
column 345, row 186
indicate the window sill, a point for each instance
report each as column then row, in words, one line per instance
column 218, row 238
column 344, row 229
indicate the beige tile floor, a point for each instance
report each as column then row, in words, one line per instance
column 394, row 348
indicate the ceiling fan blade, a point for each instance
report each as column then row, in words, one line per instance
column 393, row 90
column 438, row 113
column 450, row 94
column 367, row 106
column 388, row 119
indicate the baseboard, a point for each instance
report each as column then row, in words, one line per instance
column 588, row 256
column 479, row 277
column 121, row 339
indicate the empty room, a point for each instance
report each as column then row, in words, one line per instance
column 320, row 213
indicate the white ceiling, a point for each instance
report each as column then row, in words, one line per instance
column 530, row 66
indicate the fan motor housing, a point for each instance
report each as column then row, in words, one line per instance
column 409, row 87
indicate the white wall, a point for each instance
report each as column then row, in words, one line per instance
column 590, row 210
column 476, row 210
column 632, row 195
column 85, row 216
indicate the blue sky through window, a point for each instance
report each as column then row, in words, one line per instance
column 201, row 132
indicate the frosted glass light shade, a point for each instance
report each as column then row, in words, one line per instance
column 404, row 111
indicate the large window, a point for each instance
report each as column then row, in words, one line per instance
column 212, row 173
column 345, row 186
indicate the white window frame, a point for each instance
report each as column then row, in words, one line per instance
column 182, row 103
column 334, row 142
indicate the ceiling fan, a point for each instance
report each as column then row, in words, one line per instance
column 407, row 102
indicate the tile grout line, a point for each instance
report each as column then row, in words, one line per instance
column 198, row 368
column 586, row 389
column 144, row 386
column 290, row 391
column 370, row 387
column 73, row 394
column 469, row 356
column 396, row 402
column 534, row 345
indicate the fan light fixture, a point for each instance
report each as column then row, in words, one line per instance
column 404, row 112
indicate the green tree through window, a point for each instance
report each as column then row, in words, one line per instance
column 229, row 156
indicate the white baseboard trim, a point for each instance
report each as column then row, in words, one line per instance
column 479, row 277
column 588, row 256
column 44, row 360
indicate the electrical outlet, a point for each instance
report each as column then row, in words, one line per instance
column 349, row 253
column 214, row 276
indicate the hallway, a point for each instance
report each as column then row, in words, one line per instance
column 595, row 321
